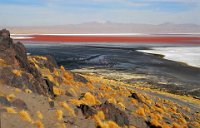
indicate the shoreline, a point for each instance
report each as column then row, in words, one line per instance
column 172, row 53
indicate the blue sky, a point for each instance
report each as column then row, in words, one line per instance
column 58, row 12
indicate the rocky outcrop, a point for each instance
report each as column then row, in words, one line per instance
column 110, row 110
column 15, row 58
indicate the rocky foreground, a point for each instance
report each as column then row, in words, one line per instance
column 35, row 92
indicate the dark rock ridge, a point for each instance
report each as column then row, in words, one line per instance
column 15, row 57
column 110, row 110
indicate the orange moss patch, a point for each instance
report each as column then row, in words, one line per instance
column 17, row 72
column 100, row 121
column 75, row 102
column 10, row 97
column 66, row 106
column 59, row 114
column 89, row 99
column 155, row 123
column 60, row 125
column 90, row 86
column 39, row 124
column 18, row 90
column 112, row 124
column 28, row 91
column 2, row 62
column 41, row 57
column 39, row 115
column 175, row 125
column 155, row 116
column 71, row 90
column 121, row 105
column 51, row 78
column 165, row 126
column 57, row 91
column 68, row 76
column 195, row 124
column 25, row 116
column 55, row 72
column 112, row 100
column 100, row 115
column 62, row 68
column 133, row 101
column 141, row 112
column 10, row 110
column 186, row 108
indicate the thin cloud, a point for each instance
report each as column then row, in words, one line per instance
column 52, row 12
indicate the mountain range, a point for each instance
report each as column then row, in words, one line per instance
column 107, row 27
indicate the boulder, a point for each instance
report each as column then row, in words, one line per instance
column 135, row 96
column 18, row 103
column 5, row 34
column 110, row 110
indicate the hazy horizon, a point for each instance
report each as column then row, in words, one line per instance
column 62, row 12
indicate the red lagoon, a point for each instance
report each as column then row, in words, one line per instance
column 128, row 39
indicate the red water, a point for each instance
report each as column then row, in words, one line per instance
column 130, row 39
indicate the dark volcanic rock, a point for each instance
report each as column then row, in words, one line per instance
column 50, row 86
column 14, row 55
column 51, row 104
column 135, row 96
column 4, row 101
column 113, row 113
column 50, row 63
column 19, row 104
column 110, row 110
column 5, row 34
column 79, row 78
column 87, row 110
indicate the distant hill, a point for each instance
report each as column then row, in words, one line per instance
column 108, row 27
